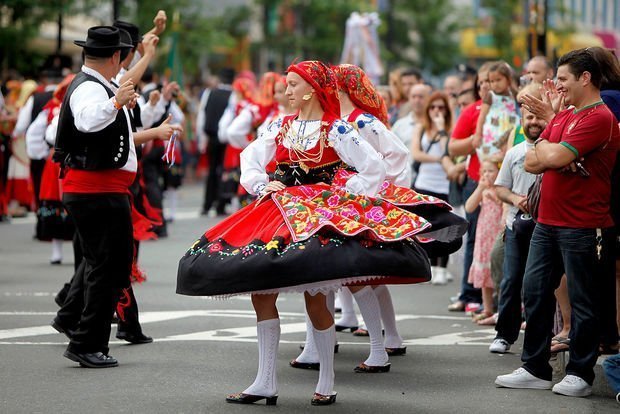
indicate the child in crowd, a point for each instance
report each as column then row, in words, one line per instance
column 489, row 226
column 498, row 114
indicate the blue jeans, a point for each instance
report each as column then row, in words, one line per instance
column 469, row 294
column 611, row 366
column 553, row 252
column 516, row 251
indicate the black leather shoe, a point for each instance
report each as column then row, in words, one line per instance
column 61, row 329
column 342, row 328
column 242, row 398
column 92, row 360
column 320, row 399
column 372, row 369
column 134, row 338
column 305, row 365
column 56, row 262
column 396, row 351
column 336, row 347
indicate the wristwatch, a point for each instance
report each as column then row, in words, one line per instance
column 538, row 141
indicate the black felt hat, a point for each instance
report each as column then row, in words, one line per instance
column 103, row 41
column 132, row 29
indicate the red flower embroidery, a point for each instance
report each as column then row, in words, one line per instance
column 215, row 247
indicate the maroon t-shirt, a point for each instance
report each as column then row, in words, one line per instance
column 569, row 199
column 466, row 127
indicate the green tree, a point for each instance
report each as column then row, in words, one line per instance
column 504, row 14
column 306, row 29
column 198, row 36
column 20, row 23
column 434, row 24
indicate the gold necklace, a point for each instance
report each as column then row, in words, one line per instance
column 301, row 155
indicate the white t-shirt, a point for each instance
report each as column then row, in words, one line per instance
column 513, row 176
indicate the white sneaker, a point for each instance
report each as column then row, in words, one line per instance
column 573, row 386
column 439, row 276
column 521, row 378
column 499, row 346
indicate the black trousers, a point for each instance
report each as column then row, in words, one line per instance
column 104, row 227
column 36, row 173
column 72, row 305
column 212, row 190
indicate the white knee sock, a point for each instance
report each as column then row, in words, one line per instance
column 309, row 354
column 56, row 249
column 392, row 337
column 173, row 201
column 325, row 341
column 369, row 307
column 266, row 382
column 348, row 316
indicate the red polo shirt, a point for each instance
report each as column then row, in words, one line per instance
column 569, row 199
column 466, row 127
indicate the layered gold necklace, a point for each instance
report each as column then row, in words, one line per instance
column 297, row 146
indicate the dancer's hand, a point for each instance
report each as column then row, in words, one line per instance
column 274, row 186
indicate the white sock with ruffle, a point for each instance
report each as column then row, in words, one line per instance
column 325, row 341
column 56, row 250
column 369, row 307
column 392, row 337
column 309, row 353
column 348, row 317
column 266, row 382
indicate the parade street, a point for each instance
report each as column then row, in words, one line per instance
column 204, row 349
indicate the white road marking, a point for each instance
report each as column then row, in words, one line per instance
column 247, row 334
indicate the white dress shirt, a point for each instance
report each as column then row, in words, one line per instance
column 346, row 141
column 93, row 111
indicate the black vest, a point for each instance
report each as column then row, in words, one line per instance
column 39, row 100
column 214, row 109
column 101, row 150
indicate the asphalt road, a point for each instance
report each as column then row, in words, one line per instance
column 205, row 348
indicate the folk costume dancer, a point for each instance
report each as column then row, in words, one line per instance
column 297, row 235
column 96, row 148
column 366, row 111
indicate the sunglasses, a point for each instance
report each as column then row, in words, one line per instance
column 442, row 107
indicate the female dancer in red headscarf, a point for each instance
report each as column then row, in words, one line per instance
column 305, row 233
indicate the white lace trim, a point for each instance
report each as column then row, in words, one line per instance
column 323, row 287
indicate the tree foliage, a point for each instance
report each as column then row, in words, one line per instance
column 307, row 29
column 435, row 25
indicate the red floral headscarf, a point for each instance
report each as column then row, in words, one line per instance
column 266, row 88
column 263, row 97
column 323, row 81
column 245, row 86
column 53, row 104
column 352, row 80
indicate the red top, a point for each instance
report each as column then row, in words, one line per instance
column 569, row 199
column 102, row 181
column 285, row 156
column 466, row 127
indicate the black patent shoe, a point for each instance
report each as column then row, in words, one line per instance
column 134, row 338
column 61, row 329
column 342, row 328
column 320, row 399
column 396, row 351
column 372, row 369
column 92, row 360
column 336, row 347
column 242, row 398
column 305, row 365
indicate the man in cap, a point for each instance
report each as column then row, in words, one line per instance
column 95, row 147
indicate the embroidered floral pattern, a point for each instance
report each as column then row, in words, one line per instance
column 399, row 196
column 308, row 208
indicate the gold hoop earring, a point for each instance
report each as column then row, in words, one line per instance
column 307, row 97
